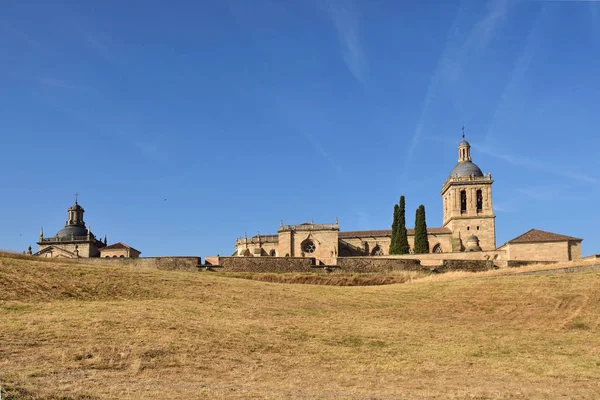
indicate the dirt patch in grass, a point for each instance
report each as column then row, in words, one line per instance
column 333, row 279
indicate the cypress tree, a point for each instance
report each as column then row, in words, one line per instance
column 402, row 237
column 394, row 241
column 421, row 242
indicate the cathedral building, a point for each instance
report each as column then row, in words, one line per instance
column 468, row 226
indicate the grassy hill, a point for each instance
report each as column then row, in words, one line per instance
column 85, row 332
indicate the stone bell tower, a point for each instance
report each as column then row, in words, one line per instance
column 467, row 199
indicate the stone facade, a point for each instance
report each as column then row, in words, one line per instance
column 73, row 248
column 319, row 241
column 174, row 263
column 359, row 265
column 266, row 264
column 537, row 245
column 119, row 250
column 76, row 240
column 73, row 241
column 377, row 243
column 377, row 264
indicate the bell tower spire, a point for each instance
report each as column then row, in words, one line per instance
column 464, row 149
column 76, row 214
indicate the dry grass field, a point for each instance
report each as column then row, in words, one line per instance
column 72, row 331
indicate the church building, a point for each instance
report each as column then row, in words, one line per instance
column 76, row 240
column 468, row 226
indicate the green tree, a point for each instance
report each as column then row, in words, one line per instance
column 394, row 241
column 421, row 242
column 402, row 246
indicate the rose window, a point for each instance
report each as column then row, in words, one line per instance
column 309, row 247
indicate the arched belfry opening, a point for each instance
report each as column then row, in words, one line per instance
column 463, row 201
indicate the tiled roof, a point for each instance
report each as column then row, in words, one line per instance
column 117, row 246
column 388, row 232
column 352, row 234
column 536, row 235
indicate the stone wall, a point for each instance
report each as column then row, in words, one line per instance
column 574, row 250
column 263, row 264
column 465, row 265
column 566, row 270
column 524, row 263
column 377, row 264
column 543, row 251
column 190, row 264
column 435, row 259
column 365, row 264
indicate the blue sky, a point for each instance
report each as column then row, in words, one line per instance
column 185, row 124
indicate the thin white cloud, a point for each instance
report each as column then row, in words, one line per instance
column 21, row 35
column 304, row 122
column 485, row 28
column 345, row 20
column 595, row 13
column 500, row 207
column 540, row 192
column 455, row 54
column 513, row 87
column 532, row 163
column 321, row 150
column 150, row 148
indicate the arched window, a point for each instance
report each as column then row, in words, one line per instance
column 121, row 256
column 463, row 201
column 309, row 247
column 479, row 200
column 437, row 249
column 273, row 253
column 107, row 257
column 377, row 251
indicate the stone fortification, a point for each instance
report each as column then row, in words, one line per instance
column 344, row 265
column 465, row 265
column 262, row 264
column 189, row 264
column 377, row 264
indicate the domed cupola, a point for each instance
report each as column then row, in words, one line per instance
column 75, row 226
column 465, row 166
column 472, row 244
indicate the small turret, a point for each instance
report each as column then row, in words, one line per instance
column 464, row 149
